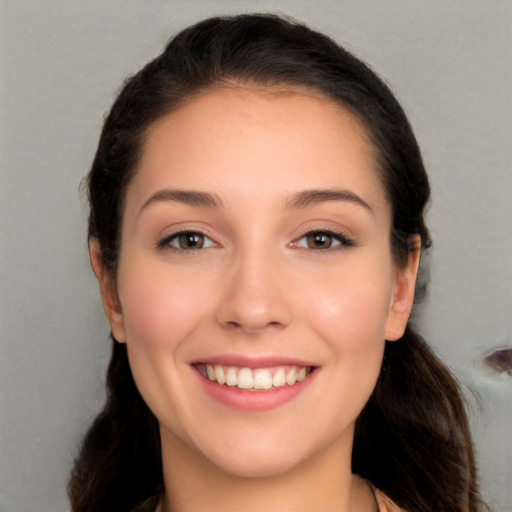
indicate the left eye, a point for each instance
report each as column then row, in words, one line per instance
column 322, row 240
column 187, row 241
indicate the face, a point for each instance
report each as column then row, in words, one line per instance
column 256, row 284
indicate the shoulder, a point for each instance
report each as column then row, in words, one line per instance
column 386, row 504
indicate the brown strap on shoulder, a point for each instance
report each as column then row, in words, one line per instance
column 372, row 489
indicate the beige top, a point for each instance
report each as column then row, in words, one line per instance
column 384, row 503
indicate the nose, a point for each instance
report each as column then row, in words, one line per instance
column 253, row 297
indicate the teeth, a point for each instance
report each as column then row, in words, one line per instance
column 218, row 373
column 231, row 377
column 245, row 380
column 291, row 376
column 279, row 379
column 260, row 378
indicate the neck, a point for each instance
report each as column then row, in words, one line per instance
column 323, row 482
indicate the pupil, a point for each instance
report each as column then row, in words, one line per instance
column 190, row 241
column 320, row 240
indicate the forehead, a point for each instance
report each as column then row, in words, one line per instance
column 240, row 137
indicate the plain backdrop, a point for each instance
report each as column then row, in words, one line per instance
column 62, row 61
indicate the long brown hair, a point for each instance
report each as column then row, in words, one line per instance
column 412, row 439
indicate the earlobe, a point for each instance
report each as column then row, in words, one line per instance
column 109, row 297
column 403, row 294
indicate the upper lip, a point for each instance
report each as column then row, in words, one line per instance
column 253, row 361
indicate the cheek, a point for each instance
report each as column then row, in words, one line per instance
column 350, row 316
column 161, row 311
column 354, row 308
column 356, row 338
column 160, row 308
column 353, row 326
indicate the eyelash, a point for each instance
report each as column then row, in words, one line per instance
column 342, row 241
column 166, row 242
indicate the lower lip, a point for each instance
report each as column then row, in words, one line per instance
column 260, row 400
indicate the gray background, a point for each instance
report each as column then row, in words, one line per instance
column 61, row 64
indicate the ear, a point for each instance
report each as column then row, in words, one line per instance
column 111, row 304
column 403, row 293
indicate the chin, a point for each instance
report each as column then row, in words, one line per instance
column 257, row 466
column 259, row 454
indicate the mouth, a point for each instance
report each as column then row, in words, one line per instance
column 254, row 379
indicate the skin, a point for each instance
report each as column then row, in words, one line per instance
column 257, row 288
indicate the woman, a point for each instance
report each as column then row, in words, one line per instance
column 257, row 203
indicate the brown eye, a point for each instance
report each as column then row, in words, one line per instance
column 323, row 240
column 186, row 241
column 319, row 240
column 190, row 241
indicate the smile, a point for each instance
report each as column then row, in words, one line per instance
column 254, row 379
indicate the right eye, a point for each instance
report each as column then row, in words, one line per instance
column 324, row 240
column 187, row 241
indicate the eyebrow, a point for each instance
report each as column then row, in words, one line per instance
column 299, row 200
column 310, row 197
column 189, row 197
